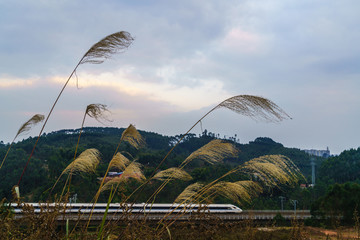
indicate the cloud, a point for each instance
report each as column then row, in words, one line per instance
column 13, row 82
column 238, row 41
column 125, row 81
column 303, row 55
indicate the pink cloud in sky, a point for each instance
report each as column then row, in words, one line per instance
column 241, row 41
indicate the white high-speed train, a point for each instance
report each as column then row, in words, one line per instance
column 137, row 208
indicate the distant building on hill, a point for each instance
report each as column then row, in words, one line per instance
column 319, row 153
column 110, row 176
column 114, row 174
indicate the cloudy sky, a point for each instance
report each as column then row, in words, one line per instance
column 186, row 58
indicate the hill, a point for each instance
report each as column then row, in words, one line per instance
column 56, row 150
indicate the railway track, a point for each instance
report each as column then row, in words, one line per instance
column 155, row 212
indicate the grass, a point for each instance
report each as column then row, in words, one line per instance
column 43, row 226
column 270, row 171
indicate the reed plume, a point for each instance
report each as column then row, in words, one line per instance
column 173, row 173
column 269, row 171
column 97, row 54
column 31, row 122
column 97, row 111
column 24, row 128
column 258, row 108
column 189, row 192
column 284, row 163
column 240, row 192
column 132, row 171
column 272, row 170
column 133, row 137
column 119, row 162
column 213, row 152
column 85, row 163
column 107, row 47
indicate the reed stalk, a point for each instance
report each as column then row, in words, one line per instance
column 133, row 137
column 258, row 108
column 24, row 128
column 97, row 54
column 197, row 192
column 101, row 229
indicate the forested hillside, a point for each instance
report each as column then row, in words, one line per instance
column 56, row 150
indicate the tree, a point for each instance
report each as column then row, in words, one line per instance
column 340, row 202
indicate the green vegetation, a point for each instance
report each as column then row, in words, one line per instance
column 56, row 150
column 340, row 205
column 185, row 169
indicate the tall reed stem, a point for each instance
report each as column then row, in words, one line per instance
column 167, row 155
column 46, row 120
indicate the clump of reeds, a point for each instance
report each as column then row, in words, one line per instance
column 97, row 54
column 119, row 161
column 270, row 171
column 273, row 170
column 256, row 107
column 96, row 111
column 85, row 163
column 213, row 152
column 32, row 225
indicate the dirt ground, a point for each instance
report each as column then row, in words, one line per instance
column 314, row 233
column 341, row 233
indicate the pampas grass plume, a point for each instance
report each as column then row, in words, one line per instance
column 119, row 162
column 106, row 47
column 213, row 152
column 133, row 137
column 258, row 108
column 132, row 171
column 85, row 163
column 173, row 173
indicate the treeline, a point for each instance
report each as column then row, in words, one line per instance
column 56, row 150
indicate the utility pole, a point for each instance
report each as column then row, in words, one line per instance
column 312, row 163
column 73, row 199
column 282, row 202
column 294, row 202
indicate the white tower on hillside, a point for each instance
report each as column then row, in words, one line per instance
column 313, row 164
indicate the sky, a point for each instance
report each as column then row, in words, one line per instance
column 186, row 58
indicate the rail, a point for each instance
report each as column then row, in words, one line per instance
column 155, row 212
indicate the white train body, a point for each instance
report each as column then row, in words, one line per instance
column 137, row 208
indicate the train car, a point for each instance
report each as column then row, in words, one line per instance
column 136, row 208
